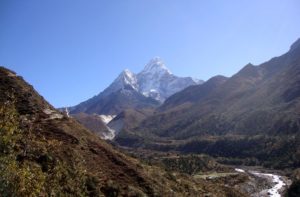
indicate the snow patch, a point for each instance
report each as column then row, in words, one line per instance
column 107, row 118
column 129, row 74
column 129, row 78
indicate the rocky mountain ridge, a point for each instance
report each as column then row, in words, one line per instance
column 146, row 89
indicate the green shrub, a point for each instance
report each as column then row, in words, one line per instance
column 30, row 165
column 16, row 179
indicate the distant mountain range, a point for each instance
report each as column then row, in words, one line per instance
column 258, row 99
column 130, row 93
column 252, row 114
column 249, row 115
column 147, row 89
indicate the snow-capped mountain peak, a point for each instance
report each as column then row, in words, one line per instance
column 129, row 90
column 128, row 78
column 156, row 65
column 125, row 79
column 157, row 81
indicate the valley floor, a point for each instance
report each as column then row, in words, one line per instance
column 257, row 183
column 253, row 181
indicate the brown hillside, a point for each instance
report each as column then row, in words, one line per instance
column 55, row 155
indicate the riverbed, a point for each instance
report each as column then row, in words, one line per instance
column 278, row 184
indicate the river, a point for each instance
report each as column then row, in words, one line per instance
column 278, row 182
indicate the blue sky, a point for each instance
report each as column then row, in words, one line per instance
column 70, row 50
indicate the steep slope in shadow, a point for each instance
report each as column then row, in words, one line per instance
column 193, row 94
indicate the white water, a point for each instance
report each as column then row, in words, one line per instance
column 279, row 184
column 239, row 170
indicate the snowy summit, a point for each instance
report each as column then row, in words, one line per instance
column 155, row 81
column 158, row 82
